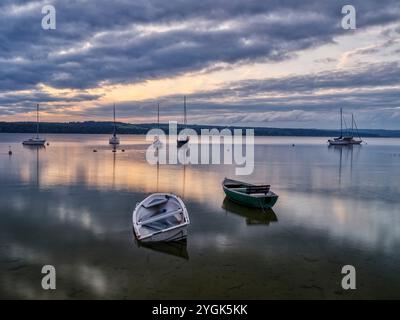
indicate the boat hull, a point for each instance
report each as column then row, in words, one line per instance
column 34, row 142
column 338, row 143
column 263, row 202
column 114, row 140
column 344, row 142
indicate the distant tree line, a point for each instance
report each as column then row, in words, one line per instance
column 94, row 127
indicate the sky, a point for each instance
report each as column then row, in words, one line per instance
column 274, row 63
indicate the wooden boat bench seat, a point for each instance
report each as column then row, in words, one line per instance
column 160, row 217
column 234, row 185
column 258, row 189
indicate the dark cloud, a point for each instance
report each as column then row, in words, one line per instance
column 107, row 41
column 375, row 75
column 17, row 103
column 116, row 42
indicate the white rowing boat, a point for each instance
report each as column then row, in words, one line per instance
column 160, row 217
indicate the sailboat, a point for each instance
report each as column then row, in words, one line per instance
column 183, row 140
column 157, row 143
column 349, row 138
column 35, row 141
column 114, row 139
column 354, row 128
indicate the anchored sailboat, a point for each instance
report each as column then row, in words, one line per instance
column 347, row 139
column 183, row 140
column 114, row 139
column 35, row 141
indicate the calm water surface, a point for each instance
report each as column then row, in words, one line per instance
column 67, row 206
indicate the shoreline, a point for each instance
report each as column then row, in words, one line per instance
column 92, row 127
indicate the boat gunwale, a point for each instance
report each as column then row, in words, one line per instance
column 270, row 193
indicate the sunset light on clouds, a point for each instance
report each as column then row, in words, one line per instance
column 250, row 63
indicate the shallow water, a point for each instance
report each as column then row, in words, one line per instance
column 70, row 207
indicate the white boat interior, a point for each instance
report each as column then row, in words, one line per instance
column 160, row 214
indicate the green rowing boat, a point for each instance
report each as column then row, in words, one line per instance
column 256, row 196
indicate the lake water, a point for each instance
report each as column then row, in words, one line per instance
column 69, row 207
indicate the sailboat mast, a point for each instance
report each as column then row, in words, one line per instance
column 158, row 115
column 184, row 106
column 341, row 122
column 352, row 124
column 358, row 133
column 115, row 129
column 37, row 120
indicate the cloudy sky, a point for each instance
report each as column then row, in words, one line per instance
column 286, row 63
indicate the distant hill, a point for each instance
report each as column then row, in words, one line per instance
column 93, row 127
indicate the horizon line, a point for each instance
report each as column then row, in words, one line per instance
column 191, row 124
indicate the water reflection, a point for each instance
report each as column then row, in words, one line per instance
column 68, row 206
column 253, row 216
column 176, row 248
column 36, row 150
column 347, row 151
